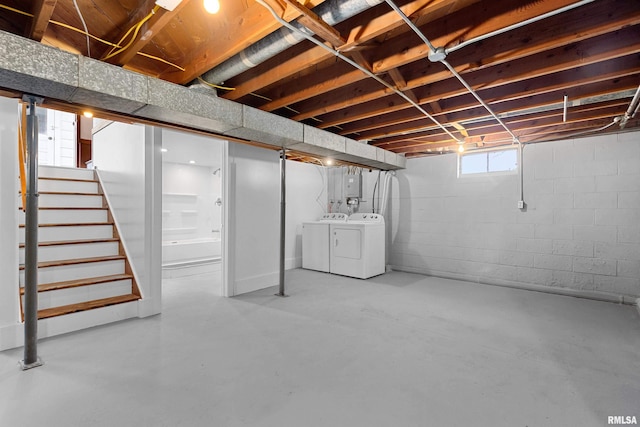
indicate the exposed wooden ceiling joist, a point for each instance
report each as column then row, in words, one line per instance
column 523, row 73
column 41, row 11
column 146, row 33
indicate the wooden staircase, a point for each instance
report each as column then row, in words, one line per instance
column 81, row 261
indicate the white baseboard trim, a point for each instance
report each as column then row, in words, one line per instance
column 148, row 307
column 577, row 293
column 293, row 263
column 255, row 283
column 11, row 336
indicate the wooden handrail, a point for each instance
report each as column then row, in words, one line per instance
column 22, row 149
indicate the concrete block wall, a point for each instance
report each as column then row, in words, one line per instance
column 580, row 231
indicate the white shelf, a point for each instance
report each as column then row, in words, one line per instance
column 178, row 230
column 179, row 195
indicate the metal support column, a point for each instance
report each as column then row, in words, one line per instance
column 283, row 211
column 31, row 359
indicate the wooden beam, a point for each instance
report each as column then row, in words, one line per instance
column 42, row 11
column 313, row 22
column 254, row 24
column 401, row 84
column 603, row 110
column 134, row 16
column 147, row 32
column 553, row 32
column 611, row 76
column 268, row 74
column 312, row 85
column 342, row 106
column 476, row 113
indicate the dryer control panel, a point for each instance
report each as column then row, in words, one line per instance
column 366, row 218
column 334, row 217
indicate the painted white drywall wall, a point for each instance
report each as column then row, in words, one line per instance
column 581, row 230
column 10, row 327
column 254, row 220
column 306, row 201
column 129, row 162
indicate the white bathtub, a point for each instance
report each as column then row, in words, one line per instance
column 185, row 253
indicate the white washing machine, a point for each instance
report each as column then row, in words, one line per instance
column 315, row 241
column 358, row 246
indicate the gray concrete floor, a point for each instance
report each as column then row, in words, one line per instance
column 396, row 350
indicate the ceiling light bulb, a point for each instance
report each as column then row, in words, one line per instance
column 461, row 148
column 88, row 114
column 212, row 6
column 193, row 162
column 164, row 150
column 329, row 162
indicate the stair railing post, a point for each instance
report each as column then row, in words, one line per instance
column 31, row 359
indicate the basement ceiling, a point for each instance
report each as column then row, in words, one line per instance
column 548, row 69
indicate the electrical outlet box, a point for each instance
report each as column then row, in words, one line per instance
column 353, row 186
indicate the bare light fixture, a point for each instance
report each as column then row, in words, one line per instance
column 329, row 162
column 87, row 114
column 461, row 148
column 163, row 150
column 212, row 6
column 193, row 162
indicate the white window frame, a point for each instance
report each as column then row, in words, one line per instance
column 486, row 150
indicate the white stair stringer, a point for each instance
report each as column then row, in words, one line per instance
column 82, row 269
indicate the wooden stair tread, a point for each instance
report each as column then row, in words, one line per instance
column 59, row 263
column 70, row 193
column 53, row 178
column 79, row 282
column 73, row 308
column 71, row 208
column 72, row 224
column 74, row 242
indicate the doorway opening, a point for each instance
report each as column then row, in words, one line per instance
column 64, row 139
column 192, row 201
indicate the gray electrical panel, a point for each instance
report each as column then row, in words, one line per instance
column 353, row 186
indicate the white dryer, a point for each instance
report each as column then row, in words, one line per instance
column 358, row 246
column 315, row 241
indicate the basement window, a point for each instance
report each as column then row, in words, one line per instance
column 488, row 162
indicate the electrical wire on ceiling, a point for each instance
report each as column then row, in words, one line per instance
column 266, row 98
column 85, row 33
column 136, row 29
column 84, row 24
column 215, row 86
column 356, row 65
